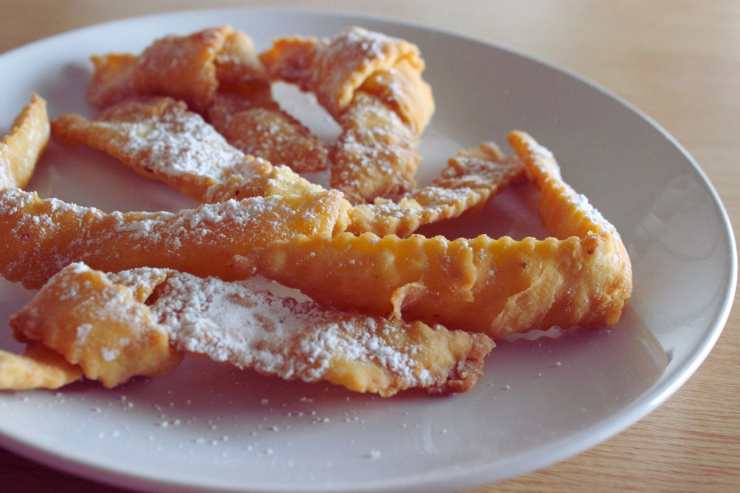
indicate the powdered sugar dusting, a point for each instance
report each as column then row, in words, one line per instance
column 249, row 325
column 376, row 153
column 6, row 180
column 582, row 204
column 545, row 164
column 118, row 241
column 469, row 179
column 81, row 334
column 348, row 59
column 179, row 142
column 109, row 354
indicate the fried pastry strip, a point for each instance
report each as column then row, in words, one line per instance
column 253, row 324
column 335, row 69
column 217, row 72
column 24, row 144
column 43, row 235
column 471, row 177
column 254, row 123
column 103, row 327
column 37, row 368
column 183, row 67
column 112, row 80
column 376, row 153
column 496, row 286
column 564, row 211
column 159, row 138
column 372, row 85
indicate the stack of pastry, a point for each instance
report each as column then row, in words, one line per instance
column 272, row 272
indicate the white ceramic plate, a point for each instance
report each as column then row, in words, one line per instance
column 212, row 428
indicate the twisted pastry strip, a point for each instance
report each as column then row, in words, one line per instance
column 335, row 69
column 24, row 144
column 244, row 111
column 285, row 335
column 159, row 138
column 494, row 286
column 184, row 67
column 254, row 123
column 20, row 149
column 101, row 322
column 217, row 72
column 102, row 327
column 112, row 80
column 471, row 177
column 376, row 154
column 372, row 85
column 43, row 235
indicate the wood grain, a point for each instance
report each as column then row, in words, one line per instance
column 679, row 61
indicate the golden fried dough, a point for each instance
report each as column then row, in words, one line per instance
column 236, row 61
column 512, row 286
column 37, row 368
column 257, row 126
column 376, row 153
column 219, row 75
column 97, row 325
column 24, row 144
column 112, row 80
column 471, row 177
column 496, row 286
column 372, row 85
column 334, row 69
column 183, row 67
column 402, row 88
column 43, row 235
column 160, row 138
column 365, row 272
column 255, row 324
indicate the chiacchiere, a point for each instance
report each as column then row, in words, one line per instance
column 384, row 311
column 219, row 75
column 137, row 322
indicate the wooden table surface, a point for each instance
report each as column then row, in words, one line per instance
column 679, row 61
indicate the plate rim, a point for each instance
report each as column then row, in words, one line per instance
column 553, row 453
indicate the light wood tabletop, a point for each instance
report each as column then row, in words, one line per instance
column 679, row 61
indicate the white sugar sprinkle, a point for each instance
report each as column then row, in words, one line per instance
column 249, row 325
column 179, row 142
column 81, row 334
column 109, row 354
